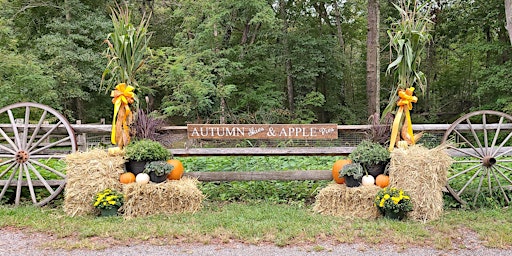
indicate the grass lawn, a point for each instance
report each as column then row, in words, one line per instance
column 260, row 222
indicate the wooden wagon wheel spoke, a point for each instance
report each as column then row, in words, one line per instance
column 43, row 180
column 499, row 185
column 470, row 144
column 463, row 172
column 30, row 184
column 8, row 182
column 44, row 137
column 8, row 139
column 34, row 132
column 486, row 148
column 19, row 185
column 15, row 129
column 469, row 181
column 62, row 175
column 504, row 142
column 13, row 163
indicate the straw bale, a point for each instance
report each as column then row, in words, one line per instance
column 340, row 200
column 422, row 173
column 168, row 197
column 87, row 174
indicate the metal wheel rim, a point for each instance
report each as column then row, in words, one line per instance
column 24, row 144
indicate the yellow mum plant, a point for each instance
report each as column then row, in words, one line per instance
column 393, row 200
column 108, row 199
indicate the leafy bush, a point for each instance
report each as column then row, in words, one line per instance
column 146, row 150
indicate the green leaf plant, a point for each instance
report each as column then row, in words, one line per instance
column 407, row 39
column 127, row 49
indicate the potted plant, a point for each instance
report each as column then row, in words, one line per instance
column 140, row 152
column 108, row 202
column 372, row 156
column 353, row 173
column 158, row 170
column 393, row 203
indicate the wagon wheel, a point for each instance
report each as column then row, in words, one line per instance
column 32, row 135
column 481, row 143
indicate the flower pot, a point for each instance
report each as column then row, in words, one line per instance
column 394, row 215
column 376, row 169
column 135, row 167
column 108, row 212
column 351, row 182
column 157, row 179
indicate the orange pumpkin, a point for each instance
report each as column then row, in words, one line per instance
column 336, row 168
column 382, row 180
column 127, row 177
column 178, row 170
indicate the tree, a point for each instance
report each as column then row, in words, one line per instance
column 508, row 16
column 373, row 59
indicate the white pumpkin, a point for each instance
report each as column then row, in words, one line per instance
column 142, row 178
column 368, row 180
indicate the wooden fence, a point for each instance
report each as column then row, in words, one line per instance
column 176, row 139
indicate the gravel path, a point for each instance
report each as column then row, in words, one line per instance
column 16, row 242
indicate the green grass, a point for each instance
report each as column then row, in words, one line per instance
column 259, row 222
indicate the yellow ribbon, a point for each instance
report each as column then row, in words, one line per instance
column 122, row 96
column 404, row 104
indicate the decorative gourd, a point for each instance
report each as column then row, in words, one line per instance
column 368, row 180
column 142, row 178
column 382, row 180
column 115, row 151
column 336, row 168
column 127, row 178
column 178, row 170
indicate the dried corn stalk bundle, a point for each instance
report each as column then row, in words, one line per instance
column 171, row 196
column 422, row 173
column 340, row 200
column 88, row 173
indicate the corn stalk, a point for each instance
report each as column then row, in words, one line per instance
column 127, row 49
column 407, row 39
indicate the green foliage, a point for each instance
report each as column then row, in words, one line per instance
column 293, row 192
column 369, row 153
column 355, row 170
column 408, row 38
column 146, row 150
column 158, row 167
column 127, row 48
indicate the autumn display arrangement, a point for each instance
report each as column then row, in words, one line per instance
column 92, row 173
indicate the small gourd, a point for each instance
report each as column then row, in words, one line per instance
column 142, row 178
column 127, row 178
column 368, row 180
column 382, row 180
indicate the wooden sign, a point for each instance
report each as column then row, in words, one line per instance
column 263, row 131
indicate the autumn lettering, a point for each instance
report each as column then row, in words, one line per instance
column 328, row 131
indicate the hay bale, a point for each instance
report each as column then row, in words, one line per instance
column 340, row 200
column 87, row 174
column 171, row 196
column 422, row 173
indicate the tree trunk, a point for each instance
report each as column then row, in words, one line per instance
column 372, row 59
column 288, row 62
column 508, row 15
column 337, row 16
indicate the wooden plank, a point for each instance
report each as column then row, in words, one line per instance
column 259, row 176
column 263, row 131
column 35, row 183
column 289, row 151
